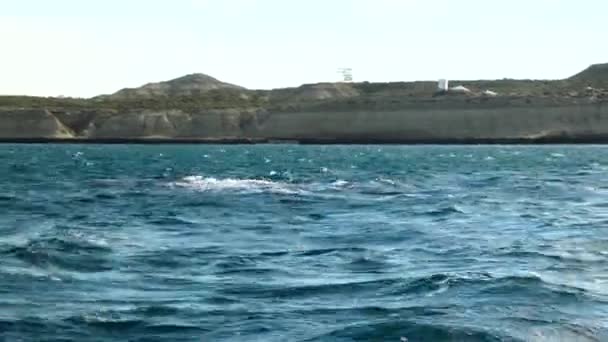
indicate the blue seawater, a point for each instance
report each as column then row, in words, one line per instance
column 303, row 243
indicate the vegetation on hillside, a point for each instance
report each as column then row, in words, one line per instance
column 590, row 83
column 214, row 99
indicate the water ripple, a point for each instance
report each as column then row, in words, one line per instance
column 303, row 243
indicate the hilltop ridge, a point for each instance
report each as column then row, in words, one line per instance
column 199, row 92
column 203, row 90
column 594, row 75
column 188, row 85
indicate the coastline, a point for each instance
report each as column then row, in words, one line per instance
column 186, row 111
column 589, row 140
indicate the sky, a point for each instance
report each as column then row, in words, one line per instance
column 84, row 48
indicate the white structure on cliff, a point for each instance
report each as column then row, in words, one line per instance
column 347, row 74
column 442, row 85
column 460, row 89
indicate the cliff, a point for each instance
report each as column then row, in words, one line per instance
column 26, row 123
column 203, row 109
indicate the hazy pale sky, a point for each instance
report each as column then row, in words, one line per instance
column 85, row 48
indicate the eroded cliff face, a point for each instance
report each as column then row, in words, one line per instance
column 32, row 123
column 215, row 124
column 429, row 125
column 571, row 122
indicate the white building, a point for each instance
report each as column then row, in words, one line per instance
column 460, row 89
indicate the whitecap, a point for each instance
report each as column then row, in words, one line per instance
column 210, row 184
column 386, row 181
column 339, row 183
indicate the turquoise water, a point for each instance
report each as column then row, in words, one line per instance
column 303, row 243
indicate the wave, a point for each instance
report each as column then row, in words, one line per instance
column 377, row 187
column 70, row 251
column 525, row 287
column 281, row 291
column 210, row 184
column 96, row 327
column 368, row 265
column 569, row 257
column 322, row 251
column 410, row 330
column 359, row 193
column 444, row 211
column 8, row 198
column 175, row 258
column 381, row 311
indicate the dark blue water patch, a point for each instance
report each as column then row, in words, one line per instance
column 171, row 222
column 303, row 243
column 368, row 265
column 63, row 252
column 406, row 330
column 173, row 258
column 8, row 198
column 443, row 211
column 316, row 252
column 338, row 289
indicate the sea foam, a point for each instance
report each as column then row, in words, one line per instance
column 210, row 184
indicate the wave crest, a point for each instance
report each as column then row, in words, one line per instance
column 210, row 184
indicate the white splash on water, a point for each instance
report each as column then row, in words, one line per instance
column 386, row 181
column 285, row 187
column 339, row 184
column 210, row 184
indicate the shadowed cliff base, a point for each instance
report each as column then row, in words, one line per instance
column 200, row 109
column 598, row 140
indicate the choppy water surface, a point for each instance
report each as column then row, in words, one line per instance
column 303, row 243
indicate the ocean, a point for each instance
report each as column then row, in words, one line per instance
column 303, row 243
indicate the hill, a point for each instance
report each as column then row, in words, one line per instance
column 200, row 92
column 596, row 75
column 189, row 85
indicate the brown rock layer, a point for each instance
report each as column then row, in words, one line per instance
column 568, row 123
